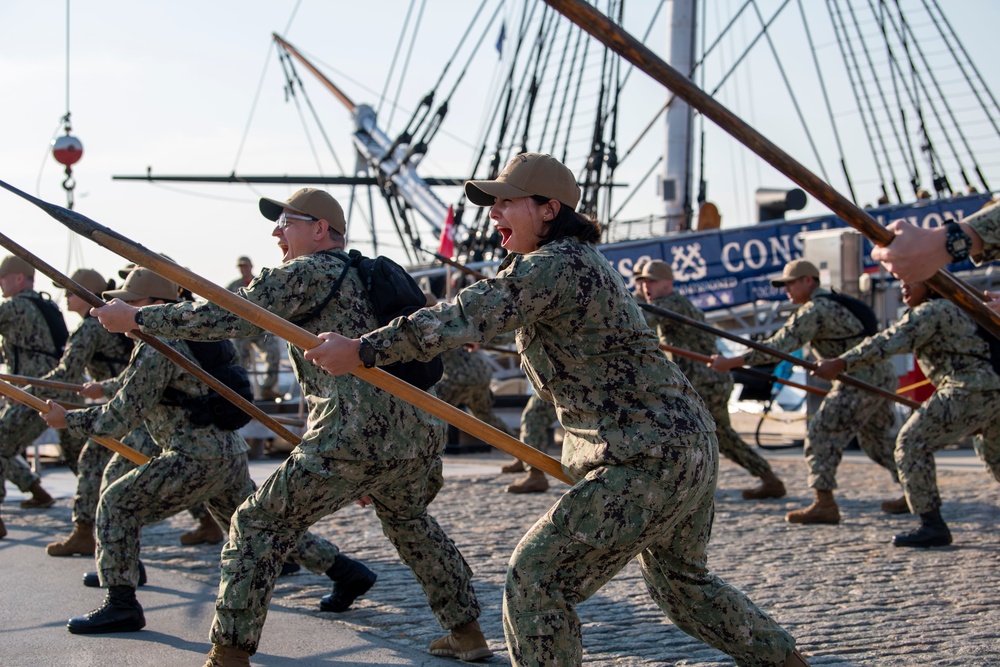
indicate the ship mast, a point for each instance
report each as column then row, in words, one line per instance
column 675, row 186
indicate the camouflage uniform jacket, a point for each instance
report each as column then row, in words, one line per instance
column 95, row 349
column 688, row 338
column 140, row 399
column 829, row 328
column 28, row 347
column 986, row 222
column 584, row 345
column 944, row 341
column 465, row 368
column 348, row 417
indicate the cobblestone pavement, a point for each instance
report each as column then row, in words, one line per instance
column 844, row 591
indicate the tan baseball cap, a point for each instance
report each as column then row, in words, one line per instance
column 142, row 283
column 308, row 201
column 526, row 175
column 90, row 280
column 13, row 264
column 655, row 269
column 794, row 270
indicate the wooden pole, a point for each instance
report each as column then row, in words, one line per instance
column 190, row 366
column 39, row 382
column 621, row 42
column 846, row 379
column 752, row 372
column 458, row 265
column 21, row 396
column 296, row 335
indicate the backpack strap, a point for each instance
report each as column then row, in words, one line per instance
column 353, row 259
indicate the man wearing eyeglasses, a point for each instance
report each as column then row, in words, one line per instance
column 361, row 441
column 830, row 328
column 267, row 344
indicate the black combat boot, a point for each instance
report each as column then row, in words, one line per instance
column 351, row 580
column 91, row 580
column 121, row 612
column 933, row 532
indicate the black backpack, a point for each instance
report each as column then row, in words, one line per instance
column 218, row 358
column 393, row 293
column 858, row 308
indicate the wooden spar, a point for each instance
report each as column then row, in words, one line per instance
column 296, row 335
column 337, row 92
column 39, row 382
column 846, row 379
column 21, row 396
column 157, row 344
column 752, row 372
column 621, row 42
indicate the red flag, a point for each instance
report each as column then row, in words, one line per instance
column 447, row 245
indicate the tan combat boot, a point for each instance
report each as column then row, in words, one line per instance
column 517, row 465
column 897, row 506
column 823, row 510
column 40, row 498
column 207, row 532
column 796, row 659
column 79, row 543
column 770, row 487
column 466, row 642
column 534, row 482
column 227, row 656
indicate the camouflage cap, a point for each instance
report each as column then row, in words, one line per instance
column 525, row 175
column 12, row 264
column 655, row 269
column 142, row 283
column 794, row 270
column 315, row 203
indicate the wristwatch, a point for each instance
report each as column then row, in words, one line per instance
column 957, row 241
column 367, row 354
column 138, row 318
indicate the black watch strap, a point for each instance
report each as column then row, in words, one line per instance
column 138, row 318
column 957, row 242
column 367, row 354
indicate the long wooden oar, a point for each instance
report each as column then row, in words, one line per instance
column 621, row 42
column 846, row 379
column 284, row 329
column 157, row 344
column 21, row 396
column 39, row 382
column 752, row 372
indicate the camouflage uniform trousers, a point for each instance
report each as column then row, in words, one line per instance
column 270, row 347
column 948, row 415
column 845, row 412
column 19, row 473
column 536, row 419
column 169, row 483
column 476, row 397
column 19, row 427
column 292, row 499
column 88, row 493
column 716, row 396
column 659, row 509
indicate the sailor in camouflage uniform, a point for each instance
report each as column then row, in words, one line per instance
column 267, row 343
column 536, row 422
column 656, row 283
column 197, row 464
column 28, row 349
column 360, row 441
column 640, row 444
column 102, row 355
column 830, row 328
column 945, row 343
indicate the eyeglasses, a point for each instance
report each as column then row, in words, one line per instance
column 286, row 219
